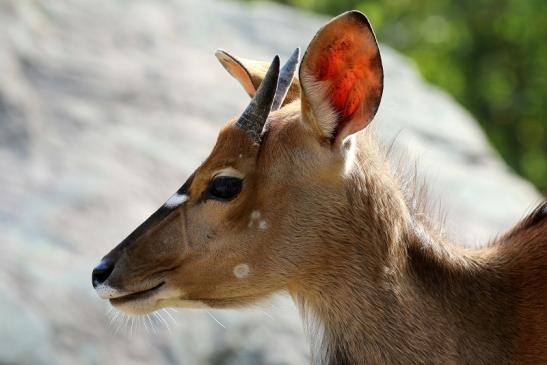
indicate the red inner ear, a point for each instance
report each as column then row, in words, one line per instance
column 350, row 69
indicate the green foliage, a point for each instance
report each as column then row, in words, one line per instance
column 491, row 55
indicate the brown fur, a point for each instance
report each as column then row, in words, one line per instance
column 375, row 283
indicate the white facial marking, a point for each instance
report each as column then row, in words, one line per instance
column 107, row 292
column 241, row 271
column 229, row 171
column 164, row 298
column 263, row 225
column 175, row 298
column 175, row 200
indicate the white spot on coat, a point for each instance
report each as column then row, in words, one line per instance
column 255, row 216
column 241, row 271
column 263, row 225
column 175, row 200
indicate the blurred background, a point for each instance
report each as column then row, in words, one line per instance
column 107, row 106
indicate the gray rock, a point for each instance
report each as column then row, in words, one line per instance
column 106, row 106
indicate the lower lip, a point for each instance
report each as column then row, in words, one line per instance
column 145, row 294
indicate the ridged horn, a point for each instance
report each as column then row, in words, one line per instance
column 286, row 76
column 254, row 117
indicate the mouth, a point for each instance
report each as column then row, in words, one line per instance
column 137, row 296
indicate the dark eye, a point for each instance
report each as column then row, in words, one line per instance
column 224, row 187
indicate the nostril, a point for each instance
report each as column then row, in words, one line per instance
column 102, row 271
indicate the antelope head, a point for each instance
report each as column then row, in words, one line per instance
column 249, row 221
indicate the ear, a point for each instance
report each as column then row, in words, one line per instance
column 250, row 74
column 341, row 77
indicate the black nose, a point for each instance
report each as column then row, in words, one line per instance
column 102, row 271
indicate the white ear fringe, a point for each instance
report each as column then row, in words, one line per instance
column 324, row 114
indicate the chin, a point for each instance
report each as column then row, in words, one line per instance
column 234, row 302
column 151, row 300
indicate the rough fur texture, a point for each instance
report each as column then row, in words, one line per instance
column 420, row 299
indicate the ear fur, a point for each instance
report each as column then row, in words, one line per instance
column 250, row 74
column 341, row 77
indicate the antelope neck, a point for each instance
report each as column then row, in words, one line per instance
column 387, row 289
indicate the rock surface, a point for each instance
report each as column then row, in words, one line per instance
column 106, row 106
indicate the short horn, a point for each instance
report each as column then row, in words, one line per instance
column 286, row 76
column 254, row 117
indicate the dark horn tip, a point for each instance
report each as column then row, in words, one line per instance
column 286, row 76
column 276, row 62
column 254, row 116
column 270, row 78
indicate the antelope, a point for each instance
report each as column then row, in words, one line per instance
column 298, row 196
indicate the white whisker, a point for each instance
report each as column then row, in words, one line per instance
column 152, row 324
column 265, row 313
column 144, row 323
column 126, row 322
column 170, row 316
column 132, row 320
column 216, row 320
column 115, row 320
column 120, row 323
column 162, row 320
column 118, row 326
